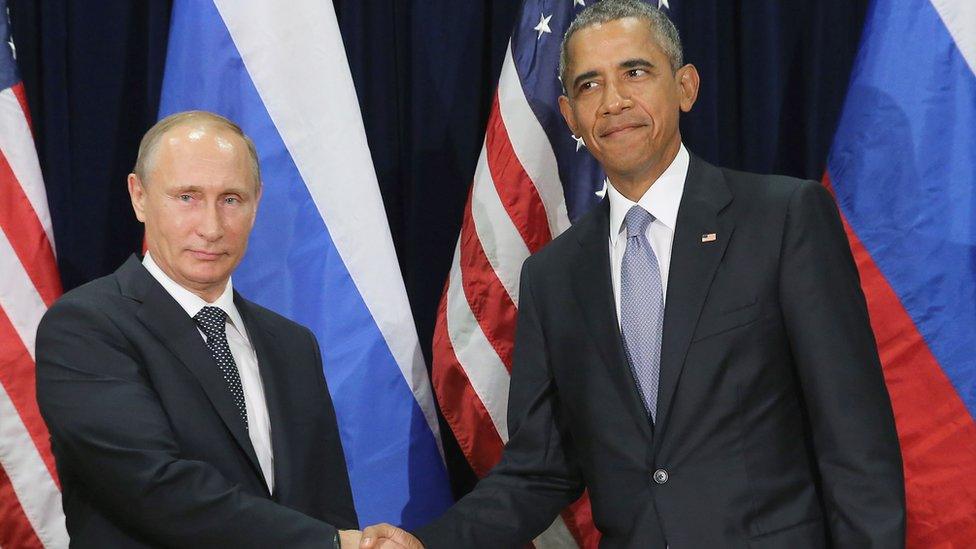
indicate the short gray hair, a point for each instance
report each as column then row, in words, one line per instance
column 612, row 10
column 150, row 141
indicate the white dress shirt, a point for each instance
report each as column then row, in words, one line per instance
column 661, row 200
column 259, row 424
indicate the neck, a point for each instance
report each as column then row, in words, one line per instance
column 634, row 185
column 210, row 294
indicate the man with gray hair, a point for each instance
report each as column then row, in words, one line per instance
column 696, row 351
column 180, row 413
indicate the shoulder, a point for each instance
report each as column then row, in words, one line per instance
column 772, row 199
column 561, row 251
column 779, row 189
column 98, row 299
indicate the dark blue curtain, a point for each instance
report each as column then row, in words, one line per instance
column 93, row 72
column 774, row 75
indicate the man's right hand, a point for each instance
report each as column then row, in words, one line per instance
column 387, row 536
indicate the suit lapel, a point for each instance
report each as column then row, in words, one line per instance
column 270, row 359
column 693, row 265
column 164, row 317
column 594, row 293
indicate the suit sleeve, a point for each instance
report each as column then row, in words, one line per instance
column 850, row 414
column 111, row 434
column 537, row 476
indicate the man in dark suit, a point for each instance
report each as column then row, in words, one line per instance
column 180, row 413
column 696, row 352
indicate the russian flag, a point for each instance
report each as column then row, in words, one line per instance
column 321, row 251
column 903, row 170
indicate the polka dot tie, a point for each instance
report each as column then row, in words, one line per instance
column 213, row 322
column 642, row 307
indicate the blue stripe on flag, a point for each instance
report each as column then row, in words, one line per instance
column 293, row 267
column 908, row 191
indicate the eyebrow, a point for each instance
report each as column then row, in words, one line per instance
column 585, row 76
column 635, row 63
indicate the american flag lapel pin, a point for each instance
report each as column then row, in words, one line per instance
column 709, row 237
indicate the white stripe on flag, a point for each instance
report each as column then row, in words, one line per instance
column 38, row 495
column 18, row 148
column 959, row 17
column 321, row 125
column 556, row 536
column 485, row 371
column 501, row 241
column 531, row 145
column 18, row 296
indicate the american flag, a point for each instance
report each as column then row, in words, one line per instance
column 30, row 497
column 532, row 180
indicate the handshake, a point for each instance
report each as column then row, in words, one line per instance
column 379, row 536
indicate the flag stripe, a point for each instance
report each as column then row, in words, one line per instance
column 309, row 126
column 579, row 521
column 16, row 530
column 27, row 239
column 17, row 379
column 959, row 17
column 18, row 146
column 487, row 299
column 514, row 187
column 21, row 94
column 462, row 407
column 502, row 244
column 531, row 145
column 31, row 479
column 937, row 434
column 18, row 296
column 486, row 372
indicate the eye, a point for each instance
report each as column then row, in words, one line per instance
column 232, row 200
column 636, row 73
column 185, row 197
column 586, row 86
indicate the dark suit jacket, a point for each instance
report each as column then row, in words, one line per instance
column 149, row 446
column 774, row 425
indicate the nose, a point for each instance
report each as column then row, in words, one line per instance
column 211, row 226
column 615, row 100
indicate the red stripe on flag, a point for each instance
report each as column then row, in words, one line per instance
column 936, row 431
column 460, row 404
column 16, row 530
column 515, row 189
column 18, row 380
column 21, row 95
column 26, row 235
column 578, row 518
column 487, row 297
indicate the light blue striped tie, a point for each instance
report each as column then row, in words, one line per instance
column 642, row 307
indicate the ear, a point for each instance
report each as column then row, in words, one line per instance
column 257, row 202
column 688, row 82
column 566, row 109
column 137, row 194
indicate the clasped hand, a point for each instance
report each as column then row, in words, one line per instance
column 379, row 536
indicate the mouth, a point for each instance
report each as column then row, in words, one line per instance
column 619, row 130
column 204, row 255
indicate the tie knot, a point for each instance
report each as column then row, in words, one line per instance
column 637, row 220
column 211, row 320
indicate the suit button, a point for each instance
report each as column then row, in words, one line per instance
column 661, row 476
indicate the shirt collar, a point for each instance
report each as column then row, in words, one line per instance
column 661, row 199
column 191, row 302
